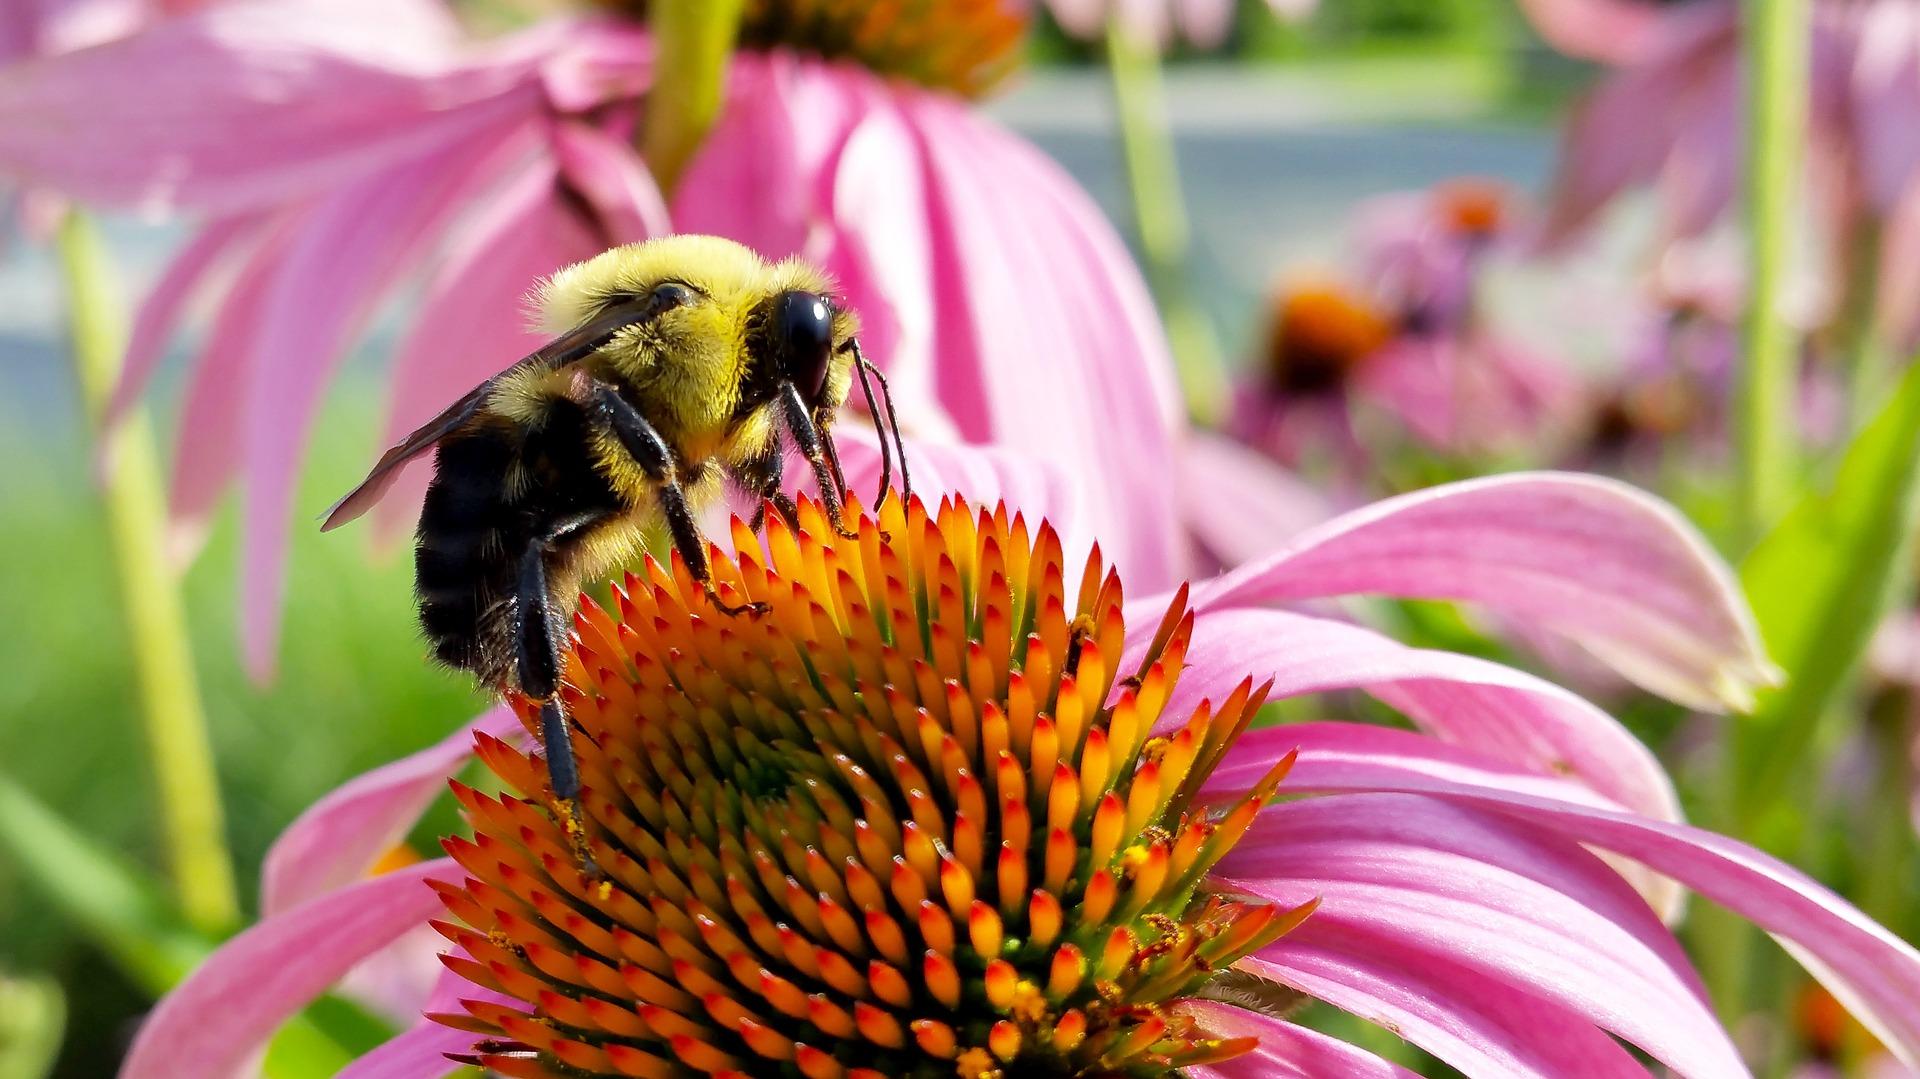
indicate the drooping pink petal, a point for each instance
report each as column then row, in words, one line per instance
column 608, row 173
column 1534, row 911
column 419, row 1052
column 1286, row 1051
column 161, row 310
column 1470, row 702
column 1474, row 1022
column 214, row 1023
column 752, row 179
column 881, row 254
column 355, row 246
column 321, row 96
column 1593, row 560
column 1611, row 31
column 1621, row 135
column 1240, row 504
column 338, row 838
column 1874, row 973
column 473, row 321
column 1032, row 312
column 1883, row 81
column 207, row 449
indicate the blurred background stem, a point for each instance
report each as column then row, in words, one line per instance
column 1160, row 216
column 192, row 822
column 692, row 40
column 1776, row 44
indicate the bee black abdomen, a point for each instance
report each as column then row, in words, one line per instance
column 462, row 568
column 497, row 490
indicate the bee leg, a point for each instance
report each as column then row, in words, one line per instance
column 537, row 665
column 806, row 435
column 650, row 452
column 762, row 476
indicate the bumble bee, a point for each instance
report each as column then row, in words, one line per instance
column 678, row 362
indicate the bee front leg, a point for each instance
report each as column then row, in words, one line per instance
column 762, row 475
column 655, row 460
column 806, row 435
column 537, row 666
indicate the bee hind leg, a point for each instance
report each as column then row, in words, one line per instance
column 650, row 452
column 537, row 667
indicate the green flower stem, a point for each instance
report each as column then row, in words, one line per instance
column 176, row 729
column 1888, row 850
column 1868, row 360
column 1776, row 44
column 693, row 39
column 1160, row 216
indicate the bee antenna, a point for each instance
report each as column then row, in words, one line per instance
column 865, row 367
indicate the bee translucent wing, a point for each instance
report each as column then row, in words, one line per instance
column 574, row 345
column 387, row 469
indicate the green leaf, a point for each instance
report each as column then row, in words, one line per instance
column 33, row 1015
column 1820, row 583
column 123, row 911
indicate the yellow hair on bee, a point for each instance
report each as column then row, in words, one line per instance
column 698, row 391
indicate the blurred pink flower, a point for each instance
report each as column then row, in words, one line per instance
column 1202, row 23
column 336, row 151
column 1668, row 115
column 1458, row 887
column 1413, row 347
column 1674, row 392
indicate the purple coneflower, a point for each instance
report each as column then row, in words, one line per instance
column 955, row 805
column 1668, row 115
column 1407, row 347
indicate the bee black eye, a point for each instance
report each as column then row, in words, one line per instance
column 803, row 331
column 670, row 294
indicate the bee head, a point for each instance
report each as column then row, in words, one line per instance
column 801, row 333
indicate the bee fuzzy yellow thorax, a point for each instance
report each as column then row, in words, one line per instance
column 691, row 364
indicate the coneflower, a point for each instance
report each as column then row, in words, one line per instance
column 938, row 813
column 911, row 821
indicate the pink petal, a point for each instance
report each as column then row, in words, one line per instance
column 1470, row 702
column 1239, row 503
column 356, row 245
column 160, row 312
column 1622, row 134
column 1286, row 1051
column 1036, row 306
column 207, row 448
column 338, row 838
column 419, row 1052
column 1593, row 560
column 1873, row 972
column 324, row 91
column 472, row 321
column 881, row 254
column 608, row 173
column 214, row 1023
column 1883, row 82
column 1478, row 1024
column 753, row 179
column 1611, row 31
column 1530, row 909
